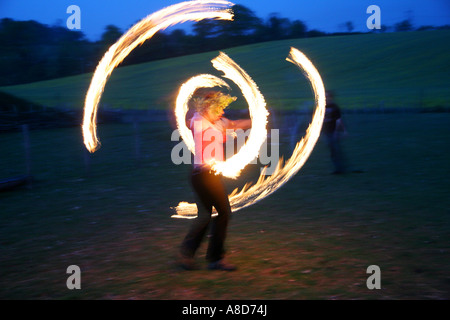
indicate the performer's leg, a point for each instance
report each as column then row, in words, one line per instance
column 219, row 198
column 200, row 224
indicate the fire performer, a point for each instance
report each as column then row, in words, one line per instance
column 209, row 131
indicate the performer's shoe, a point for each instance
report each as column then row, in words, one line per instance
column 187, row 263
column 221, row 265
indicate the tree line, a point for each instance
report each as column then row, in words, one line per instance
column 32, row 51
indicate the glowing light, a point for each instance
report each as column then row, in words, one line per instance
column 267, row 185
column 143, row 30
column 233, row 166
column 195, row 11
column 185, row 93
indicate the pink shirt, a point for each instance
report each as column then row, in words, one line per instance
column 209, row 139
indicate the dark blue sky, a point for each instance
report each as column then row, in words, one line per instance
column 324, row 15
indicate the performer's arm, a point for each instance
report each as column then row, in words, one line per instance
column 239, row 124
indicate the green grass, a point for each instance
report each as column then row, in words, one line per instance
column 392, row 70
column 312, row 239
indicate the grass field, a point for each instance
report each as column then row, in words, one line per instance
column 109, row 213
column 391, row 70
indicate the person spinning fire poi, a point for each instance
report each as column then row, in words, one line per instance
column 209, row 131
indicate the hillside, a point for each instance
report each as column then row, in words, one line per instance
column 392, row 70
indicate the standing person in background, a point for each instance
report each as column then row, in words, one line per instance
column 333, row 128
column 209, row 131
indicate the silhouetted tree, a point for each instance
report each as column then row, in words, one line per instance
column 241, row 30
column 404, row 25
column 315, row 33
column 110, row 35
column 32, row 51
column 278, row 28
column 298, row 29
column 349, row 25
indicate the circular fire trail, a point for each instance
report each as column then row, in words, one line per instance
column 232, row 167
column 266, row 185
column 196, row 11
column 139, row 33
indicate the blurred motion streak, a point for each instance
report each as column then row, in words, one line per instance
column 139, row 33
column 267, row 185
column 233, row 166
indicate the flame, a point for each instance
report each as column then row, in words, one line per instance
column 195, row 11
column 267, row 185
column 233, row 166
column 143, row 30
column 185, row 93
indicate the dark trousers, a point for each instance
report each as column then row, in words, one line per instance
column 211, row 193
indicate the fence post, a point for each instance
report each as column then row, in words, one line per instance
column 27, row 148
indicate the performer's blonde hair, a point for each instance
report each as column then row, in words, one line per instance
column 213, row 99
